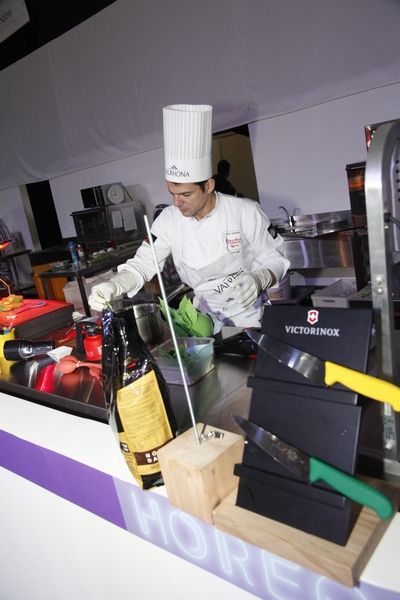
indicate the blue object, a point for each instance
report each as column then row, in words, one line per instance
column 74, row 254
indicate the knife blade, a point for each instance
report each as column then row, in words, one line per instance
column 325, row 372
column 312, row 469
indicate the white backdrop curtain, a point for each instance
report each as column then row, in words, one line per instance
column 96, row 94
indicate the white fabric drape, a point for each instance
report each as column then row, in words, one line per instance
column 96, row 93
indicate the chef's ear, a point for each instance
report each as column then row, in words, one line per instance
column 210, row 185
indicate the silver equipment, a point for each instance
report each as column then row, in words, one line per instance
column 382, row 205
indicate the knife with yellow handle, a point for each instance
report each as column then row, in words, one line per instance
column 325, row 372
column 312, row 469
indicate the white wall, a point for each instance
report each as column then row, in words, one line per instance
column 300, row 158
column 142, row 175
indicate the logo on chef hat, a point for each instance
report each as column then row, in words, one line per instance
column 177, row 173
column 312, row 316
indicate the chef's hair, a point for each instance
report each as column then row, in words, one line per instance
column 202, row 185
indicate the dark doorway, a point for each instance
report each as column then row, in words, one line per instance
column 44, row 213
column 234, row 146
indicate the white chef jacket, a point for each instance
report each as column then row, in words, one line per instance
column 210, row 253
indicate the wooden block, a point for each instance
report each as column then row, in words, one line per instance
column 198, row 477
column 341, row 563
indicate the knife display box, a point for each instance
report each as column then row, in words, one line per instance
column 343, row 564
column 322, row 422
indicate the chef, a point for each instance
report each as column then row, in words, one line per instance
column 222, row 246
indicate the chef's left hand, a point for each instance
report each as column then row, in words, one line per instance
column 249, row 285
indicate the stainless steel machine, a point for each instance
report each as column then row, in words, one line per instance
column 382, row 194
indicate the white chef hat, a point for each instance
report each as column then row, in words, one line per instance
column 187, row 142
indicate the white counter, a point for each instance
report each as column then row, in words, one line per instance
column 66, row 531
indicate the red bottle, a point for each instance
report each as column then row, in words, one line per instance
column 93, row 345
column 89, row 339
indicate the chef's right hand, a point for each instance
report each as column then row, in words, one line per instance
column 118, row 285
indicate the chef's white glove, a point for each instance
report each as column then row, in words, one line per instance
column 249, row 285
column 121, row 283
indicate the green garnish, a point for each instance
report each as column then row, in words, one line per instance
column 106, row 302
column 171, row 354
column 187, row 320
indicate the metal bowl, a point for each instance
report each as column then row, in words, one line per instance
column 148, row 320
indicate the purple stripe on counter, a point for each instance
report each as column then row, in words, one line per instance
column 63, row 476
column 152, row 518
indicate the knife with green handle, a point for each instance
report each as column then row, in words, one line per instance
column 325, row 372
column 312, row 469
column 351, row 487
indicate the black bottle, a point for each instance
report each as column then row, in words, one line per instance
column 23, row 349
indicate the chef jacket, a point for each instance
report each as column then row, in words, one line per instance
column 210, row 253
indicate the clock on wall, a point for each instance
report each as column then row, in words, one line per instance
column 115, row 193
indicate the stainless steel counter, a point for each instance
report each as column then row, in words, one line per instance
column 221, row 392
column 327, row 251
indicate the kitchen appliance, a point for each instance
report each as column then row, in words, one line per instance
column 103, row 195
column 108, row 226
column 383, row 210
column 355, row 181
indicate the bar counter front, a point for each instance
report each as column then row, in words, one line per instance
column 75, row 524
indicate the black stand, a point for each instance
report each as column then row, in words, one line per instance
column 322, row 422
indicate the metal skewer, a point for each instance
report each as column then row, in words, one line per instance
column 171, row 326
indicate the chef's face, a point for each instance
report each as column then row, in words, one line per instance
column 191, row 199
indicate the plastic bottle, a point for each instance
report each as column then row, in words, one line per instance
column 74, row 255
column 81, row 256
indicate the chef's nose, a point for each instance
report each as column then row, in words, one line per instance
column 177, row 201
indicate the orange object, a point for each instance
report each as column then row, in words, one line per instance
column 55, row 286
column 15, row 318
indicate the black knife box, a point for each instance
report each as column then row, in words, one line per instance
column 340, row 335
column 322, row 422
column 323, row 514
column 326, row 430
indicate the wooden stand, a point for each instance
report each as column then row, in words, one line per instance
column 198, row 477
column 341, row 563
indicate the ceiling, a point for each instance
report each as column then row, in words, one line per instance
column 48, row 20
